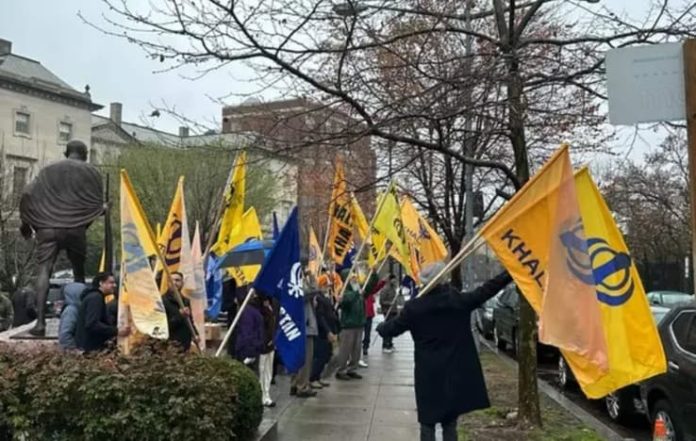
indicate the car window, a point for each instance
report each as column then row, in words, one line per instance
column 684, row 329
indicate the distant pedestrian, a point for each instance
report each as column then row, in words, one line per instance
column 68, row 316
column 369, row 316
column 24, row 304
column 448, row 376
column 94, row 330
column 388, row 304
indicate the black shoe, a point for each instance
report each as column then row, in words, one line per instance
column 293, row 391
column 365, row 352
column 343, row 377
column 306, row 394
column 354, row 375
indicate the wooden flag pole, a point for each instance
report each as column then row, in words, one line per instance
column 372, row 270
column 229, row 332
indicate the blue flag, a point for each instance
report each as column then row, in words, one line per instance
column 281, row 277
column 276, row 230
column 347, row 260
column 213, row 287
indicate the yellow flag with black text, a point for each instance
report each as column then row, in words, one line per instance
column 388, row 223
column 530, row 236
column 174, row 239
column 233, row 201
column 340, row 238
column 375, row 252
column 248, row 229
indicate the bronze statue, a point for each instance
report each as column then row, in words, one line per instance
column 57, row 208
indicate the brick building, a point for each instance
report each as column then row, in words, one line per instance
column 315, row 135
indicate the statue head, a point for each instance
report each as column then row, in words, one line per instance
column 76, row 150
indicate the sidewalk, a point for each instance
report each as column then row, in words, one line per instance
column 380, row 407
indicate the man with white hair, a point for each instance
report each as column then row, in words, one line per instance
column 449, row 380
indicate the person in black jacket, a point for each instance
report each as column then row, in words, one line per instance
column 177, row 317
column 93, row 329
column 448, row 376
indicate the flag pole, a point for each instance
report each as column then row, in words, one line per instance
column 474, row 244
column 372, row 270
column 362, row 245
column 228, row 334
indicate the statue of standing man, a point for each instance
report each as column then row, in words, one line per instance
column 57, row 208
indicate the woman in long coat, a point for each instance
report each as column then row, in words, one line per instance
column 449, row 380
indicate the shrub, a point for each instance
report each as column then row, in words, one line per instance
column 151, row 396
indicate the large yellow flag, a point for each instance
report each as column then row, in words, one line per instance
column 315, row 257
column 376, row 241
column 388, row 222
column 635, row 348
column 174, row 240
column 432, row 247
column 249, row 228
column 340, row 237
column 139, row 290
column 528, row 236
column 197, row 294
column 233, row 200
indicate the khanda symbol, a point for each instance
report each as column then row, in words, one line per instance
column 607, row 269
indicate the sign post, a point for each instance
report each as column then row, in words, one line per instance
column 689, row 54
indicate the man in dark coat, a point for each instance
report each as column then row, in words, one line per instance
column 57, row 208
column 178, row 317
column 93, row 329
column 449, row 380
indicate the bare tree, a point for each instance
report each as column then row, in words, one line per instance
column 538, row 68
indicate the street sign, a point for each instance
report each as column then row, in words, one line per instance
column 646, row 84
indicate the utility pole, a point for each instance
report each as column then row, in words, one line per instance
column 689, row 54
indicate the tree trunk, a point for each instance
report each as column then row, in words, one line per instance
column 528, row 392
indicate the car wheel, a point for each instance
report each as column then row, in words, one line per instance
column 663, row 410
column 563, row 374
column 499, row 343
column 619, row 406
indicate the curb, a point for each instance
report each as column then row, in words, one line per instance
column 267, row 431
column 588, row 419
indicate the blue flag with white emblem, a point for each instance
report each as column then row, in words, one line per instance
column 281, row 277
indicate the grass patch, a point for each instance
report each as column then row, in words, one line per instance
column 498, row 423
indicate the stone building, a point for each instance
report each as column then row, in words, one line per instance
column 39, row 114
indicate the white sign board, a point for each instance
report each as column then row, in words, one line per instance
column 646, row 84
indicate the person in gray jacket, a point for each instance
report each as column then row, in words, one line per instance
column 388, row 303
column 300, row 382
column 68, row 316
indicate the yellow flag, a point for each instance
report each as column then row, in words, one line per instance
column 174, row 239
column 315, row 257
column 233, row 200
column 388, row 222
column 635, row 348
column 139, row 289
column 248, row 228
column 340, row 237
column 374, row 239
column 197, row 283
column 529, row 236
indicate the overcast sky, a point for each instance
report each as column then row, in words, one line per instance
column 51, row 32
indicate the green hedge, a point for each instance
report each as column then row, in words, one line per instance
column 151, row 396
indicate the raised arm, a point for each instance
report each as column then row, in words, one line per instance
column 474, row 299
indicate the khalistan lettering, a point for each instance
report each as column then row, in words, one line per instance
column 524, row 255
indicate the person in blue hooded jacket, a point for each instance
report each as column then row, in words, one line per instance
column 68, row 316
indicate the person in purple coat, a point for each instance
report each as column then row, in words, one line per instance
column 249, row 335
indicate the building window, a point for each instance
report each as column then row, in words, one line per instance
column 19, row 181
column 64, row 132
column 22, row 123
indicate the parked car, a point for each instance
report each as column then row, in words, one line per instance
column 506, row 319
column 483, row 317
column 624, row 404
column 672, row 395
column 669, row 298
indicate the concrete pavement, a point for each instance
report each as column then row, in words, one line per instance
column 380, row 407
